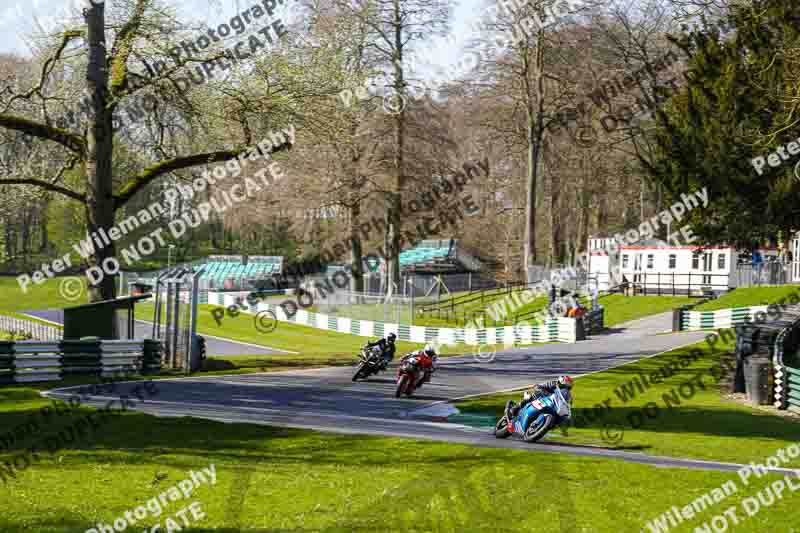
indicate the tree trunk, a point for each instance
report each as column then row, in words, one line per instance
column 535, row 134
column 356, row 252
column 100, row 208
column 555, row 222
column 396, row 202
column 45, row 244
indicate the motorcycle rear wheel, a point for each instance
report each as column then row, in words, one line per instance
column 535, row 432
column 501, row 429
column 401, row 385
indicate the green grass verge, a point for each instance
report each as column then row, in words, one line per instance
column 620, row 308
column 704, row 425
column 752, row 296
column 44, row 296
column 271, row 479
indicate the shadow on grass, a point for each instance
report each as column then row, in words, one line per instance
column 266, row 364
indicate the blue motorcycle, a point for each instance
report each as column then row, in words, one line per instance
column 537, row 418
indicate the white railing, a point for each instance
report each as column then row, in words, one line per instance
column 34, row 330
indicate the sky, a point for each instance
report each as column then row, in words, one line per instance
column 19, row 18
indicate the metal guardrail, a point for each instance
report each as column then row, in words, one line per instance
column 787, row 378
column 28, row 361
column 448, row 309
column 34, row 330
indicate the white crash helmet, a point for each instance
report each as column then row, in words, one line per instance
column 429, row 350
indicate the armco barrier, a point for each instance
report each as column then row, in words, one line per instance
column 719, row 319
column 786, row 361
column 28, row 361
column 558, row 329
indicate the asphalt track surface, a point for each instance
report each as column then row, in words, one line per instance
column 327, row 400
column 144, row 330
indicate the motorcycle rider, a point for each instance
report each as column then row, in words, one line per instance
column 430, row 358
column 427, row 358
column 387, row 348
column 563, row 383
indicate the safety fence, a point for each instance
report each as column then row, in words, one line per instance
column 786, row 363
column 28, row 328
column 688, row 320
column 557, row 329
column 27, row 361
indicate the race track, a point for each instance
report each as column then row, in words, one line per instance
column 330, row 401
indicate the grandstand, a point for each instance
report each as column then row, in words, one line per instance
column 219, row 270
column 231, row 272
column 427, row 257
column 438, row 256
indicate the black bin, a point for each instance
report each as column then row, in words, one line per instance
column 756, row 372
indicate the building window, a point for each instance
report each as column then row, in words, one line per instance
column 625, row 261
column 649, row 261
column 673, row 260
column 695, row 262
column 721, row 262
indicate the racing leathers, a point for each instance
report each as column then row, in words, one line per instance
column 542, row 389
column 387, row 350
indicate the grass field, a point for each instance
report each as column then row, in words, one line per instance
column 752, row 296
column 703, row 425
column 271, row 479
column 44, row 296
column 620, row 308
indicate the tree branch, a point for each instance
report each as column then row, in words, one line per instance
column 123, row 46
column 43, row 131
column 47, row 68
column 45, row 185
column 151, row 173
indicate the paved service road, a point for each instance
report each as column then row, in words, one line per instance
column 327, row 399
column 144, row 330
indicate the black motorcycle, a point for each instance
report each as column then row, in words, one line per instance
column 371, row 362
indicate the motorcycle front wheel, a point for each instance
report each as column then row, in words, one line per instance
column 538, row 428
column 401, row 385
column 501, row 429
column 359, row 369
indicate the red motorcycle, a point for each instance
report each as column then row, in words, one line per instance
column 414, row 370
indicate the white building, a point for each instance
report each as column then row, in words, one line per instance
column 656, row 267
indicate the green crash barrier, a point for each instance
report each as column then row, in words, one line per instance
column 81, row 357
column 70, row 357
